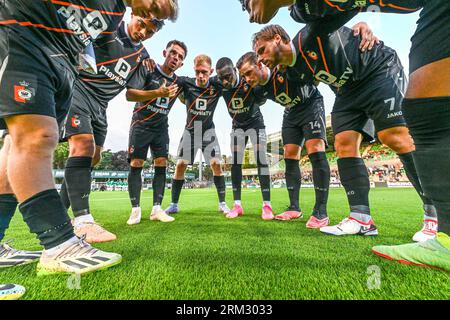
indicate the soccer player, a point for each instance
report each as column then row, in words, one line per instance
column 155, row 94
column 303, row 124
column 425, row 108
column 118, row 55
column 368, row 85
column 201, row 97
column 41, row 42
column 247, row 123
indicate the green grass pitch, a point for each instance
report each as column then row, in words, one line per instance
column 203, row 255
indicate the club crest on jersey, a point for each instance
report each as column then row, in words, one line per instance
column 280, row 78
column 131, row 150
column 312, row 55
column 211, row 91
column 75, row 122
column 23, row 92
column 246, row 88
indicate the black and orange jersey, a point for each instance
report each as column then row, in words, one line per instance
column 306, row 11
column 117, row 59
column 289, row 93
column 200, row 102
column 243, row 105
column 336, row 60
column 153, row 113
column 63, row 27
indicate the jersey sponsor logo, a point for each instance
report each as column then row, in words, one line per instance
column 163, row 102
column 201, row 104
column 116, row 77
column 237, row 103
column 23, row 93
column 330, row 79
column 93, row 23
column 325, row 77
column 286, row 101
column 122, row 68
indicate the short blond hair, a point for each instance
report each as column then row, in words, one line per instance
column 202, row 58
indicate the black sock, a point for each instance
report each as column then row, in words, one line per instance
column 264, row 181
column 45, row 215
column 64, row 195
column 159, row 185
column 8, row 205
column 78, row 182
column 429, row 123
column 135, row 186
column 321, row 177
column 220, row 186
column 355, row 179
column 293, row 182
column 411, row 172
column 177, row 186
column 236, row 180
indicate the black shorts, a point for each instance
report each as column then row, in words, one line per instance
column 305, row 123
column 431, row 41
column 33, row 81
column 86, row 115
column 143, row 138
column 206, row 141
column 239, row 140
column 372, row 106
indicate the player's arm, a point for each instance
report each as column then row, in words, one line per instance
column 165, row 91
column 181, row 98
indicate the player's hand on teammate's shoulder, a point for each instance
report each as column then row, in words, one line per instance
column 149, row 64
column 368, row 39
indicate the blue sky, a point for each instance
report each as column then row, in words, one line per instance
column 219, row 28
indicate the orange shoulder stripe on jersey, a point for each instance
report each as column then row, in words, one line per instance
column 124, row 57
column 395, row 6
column 4, row 22
column 30, row 24
column 334, row 6
column 64, row 3
column 323, row 54
column 303, row 55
